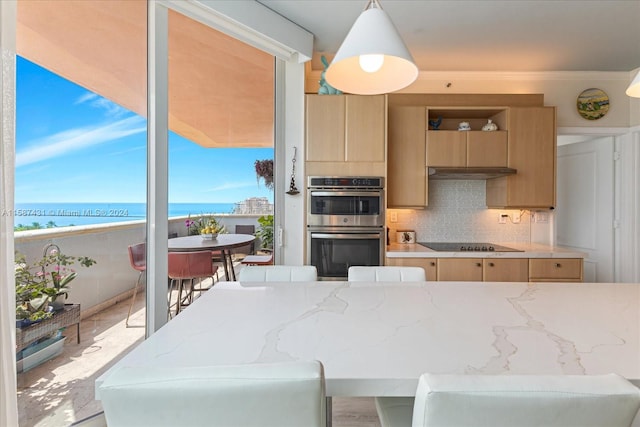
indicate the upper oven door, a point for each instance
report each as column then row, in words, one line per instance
column 340, row 208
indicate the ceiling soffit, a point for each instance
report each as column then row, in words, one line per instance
column 220, row 90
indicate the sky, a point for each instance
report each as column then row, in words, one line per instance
column 73, row 145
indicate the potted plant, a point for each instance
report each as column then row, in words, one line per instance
column 39, row 285
column 265, row 231
column 205, row 225
column 264, row 170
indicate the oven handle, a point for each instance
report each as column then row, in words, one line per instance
column 346, row 193
column 346, row 235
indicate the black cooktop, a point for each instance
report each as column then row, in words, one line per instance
column 467, row 247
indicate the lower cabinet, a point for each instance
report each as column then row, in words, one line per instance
column 483, row 269
column 429, row 265
column 460, row 269
column 555, row 269
column 505, row 270
column 496, row 269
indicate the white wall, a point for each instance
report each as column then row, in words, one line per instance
column 457, row 212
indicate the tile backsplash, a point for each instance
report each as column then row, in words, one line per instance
column 457, row 212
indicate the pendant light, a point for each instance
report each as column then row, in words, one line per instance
column 634, row 88
column 373, row 59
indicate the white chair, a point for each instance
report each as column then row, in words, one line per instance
column 386, row 274
column 278, row 273
column 514, row 401
column 282, row 394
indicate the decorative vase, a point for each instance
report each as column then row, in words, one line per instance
column 464, row 126
column 490, row 126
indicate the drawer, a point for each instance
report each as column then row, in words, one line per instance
column 429, row 265
column 555, row 269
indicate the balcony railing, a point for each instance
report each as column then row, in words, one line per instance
column 111, row 279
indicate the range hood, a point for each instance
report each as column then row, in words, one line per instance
column 469, row 173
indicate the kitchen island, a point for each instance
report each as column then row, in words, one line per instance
column 375, row 339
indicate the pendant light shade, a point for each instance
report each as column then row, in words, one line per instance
column 634, row 88
column 373, row 59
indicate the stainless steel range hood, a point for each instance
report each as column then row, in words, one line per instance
column 469, row 173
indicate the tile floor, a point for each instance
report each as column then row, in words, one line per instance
column 60, row 391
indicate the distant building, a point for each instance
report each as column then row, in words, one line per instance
column 254, row 206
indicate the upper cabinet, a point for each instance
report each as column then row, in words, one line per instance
column 345, row 134
column 532, row 152
column 407, row 171
column 449, row 147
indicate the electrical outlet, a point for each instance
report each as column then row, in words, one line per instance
column 542, row 217
column 515, row 217
column 502, row 218
column 393, row 216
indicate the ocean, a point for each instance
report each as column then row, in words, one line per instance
column 64, row 214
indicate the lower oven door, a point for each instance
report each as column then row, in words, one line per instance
column 334, row 250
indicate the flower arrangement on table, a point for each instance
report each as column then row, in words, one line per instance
column 39, row 285
column 205, row 225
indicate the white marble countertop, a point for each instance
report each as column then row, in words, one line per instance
column 529, row 250
column 375, row 339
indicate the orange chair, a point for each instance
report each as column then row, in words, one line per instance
column 138, row 260
column 189, row 266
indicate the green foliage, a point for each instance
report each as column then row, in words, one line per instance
column 265, row 231
column 42, row 282
column 34, row 226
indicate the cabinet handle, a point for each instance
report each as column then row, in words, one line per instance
column 491, row 264
column 478, row 264
column 558, row 265
column 432, row 264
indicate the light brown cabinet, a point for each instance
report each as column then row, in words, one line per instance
column 429, row 265
column 469, row 269
column 556, row 269
column 459, row 269
column 449, row 147
column 505, row 270
column 532, row 152
column 345, row 134
column 406, row 169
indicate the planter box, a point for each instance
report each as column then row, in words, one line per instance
column 61, row 319
column 40, row 353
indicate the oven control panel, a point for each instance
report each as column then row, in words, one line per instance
column 345, row 182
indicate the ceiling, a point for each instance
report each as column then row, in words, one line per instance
column 488, row 35
column 220, row 89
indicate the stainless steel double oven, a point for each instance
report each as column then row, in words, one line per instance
column 345, row 224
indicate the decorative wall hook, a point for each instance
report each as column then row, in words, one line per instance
column 292, row 187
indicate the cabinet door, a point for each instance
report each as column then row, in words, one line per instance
column 532, row 151
column 487, row 149
column 446, row 148
column 365, row 128
column 406, row 170
column 429, row 265
column 460, row 269
column 325, row 128
column 555, row 269
column 505, row 270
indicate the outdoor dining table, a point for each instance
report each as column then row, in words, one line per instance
column 224, row 243
column 376, row 339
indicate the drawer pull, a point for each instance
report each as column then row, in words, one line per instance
column 478, row 264
column 558, row 265
column 432, row 264
column 491, row 264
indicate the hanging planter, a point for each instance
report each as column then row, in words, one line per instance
column 264, row 170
